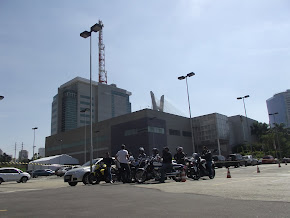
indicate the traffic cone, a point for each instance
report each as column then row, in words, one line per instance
column 183, row 177
column 229, row 174
column 258, row 170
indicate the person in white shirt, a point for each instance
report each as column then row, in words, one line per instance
column 122, row 157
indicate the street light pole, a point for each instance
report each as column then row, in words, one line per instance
column 239, row 98
column 85, row 150
column 97, row 27
column 273, row 114
column 192, row 138
column 33, row 142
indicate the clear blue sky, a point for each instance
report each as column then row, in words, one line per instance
column 236, row 48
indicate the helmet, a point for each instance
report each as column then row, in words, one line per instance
column 180, row 149
column 155, row 151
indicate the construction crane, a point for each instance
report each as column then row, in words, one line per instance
column 102, row 70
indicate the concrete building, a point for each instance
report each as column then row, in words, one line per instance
column 1, row 152
column 280, row 104
column 41, row 152
column 23, row 155
column 241, row 133
column 150, row 128
column 145, row 128
column 74, row 96
column 213, row 131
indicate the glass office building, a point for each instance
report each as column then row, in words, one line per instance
column 71, row 105
column 279, row 107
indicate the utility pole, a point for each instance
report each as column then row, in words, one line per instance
column 15, row 152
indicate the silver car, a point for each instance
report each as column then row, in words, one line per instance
column 8, row 174
column 81, row 174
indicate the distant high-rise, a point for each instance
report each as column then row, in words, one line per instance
column 41, row 152
column 74, row 97
column 279, row 106
column 23, row 154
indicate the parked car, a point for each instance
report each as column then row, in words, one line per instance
column 268, row 159
column 250, row 161
column 219, row 160
column 13, row 174
column 81, row 174
column 45, row 172
column 286, row 160
column 60, row 172
column 235, row 160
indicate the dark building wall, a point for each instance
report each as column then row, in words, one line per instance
column 143, row 132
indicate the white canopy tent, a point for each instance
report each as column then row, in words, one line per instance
column 52, row 162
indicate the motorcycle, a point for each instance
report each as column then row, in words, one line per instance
column 198, row 168
column 101, row 174
column 152, row 170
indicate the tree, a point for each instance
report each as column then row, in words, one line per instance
column 5, row 158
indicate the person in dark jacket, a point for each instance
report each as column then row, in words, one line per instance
column 108, row 160
column 180, row 156
column 206, row 154
column 166, row 163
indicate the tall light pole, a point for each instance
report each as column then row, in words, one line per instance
column 35, row 128
column 273, row 114
column 85, row 151
column 239, row 98
column 95, row 28
column 181, row 78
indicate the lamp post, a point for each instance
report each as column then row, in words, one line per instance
column 95, row 28
column 273, row 114
column 239, row 98
column 35, row 128
column 1, row 97
column 85, row 150
column 181, row 78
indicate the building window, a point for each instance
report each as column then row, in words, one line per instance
column 156, row 130
column 174, row 132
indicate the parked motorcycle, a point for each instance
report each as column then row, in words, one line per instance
column 100, row 174
column 152, row 170
column 198, row 168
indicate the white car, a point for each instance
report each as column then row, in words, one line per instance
column 8, row 174
column 250, row 161
column 80, row 174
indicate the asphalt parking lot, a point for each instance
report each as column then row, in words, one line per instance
column 271, row 184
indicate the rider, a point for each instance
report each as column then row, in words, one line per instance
column 142, row 153
column 166, row 163
column 206, row 154
column 155, row 155
column 180, row 156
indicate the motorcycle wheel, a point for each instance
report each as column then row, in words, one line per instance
column 195, row 176
column 140, row 176
column 213, row 174
column 93, row 179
